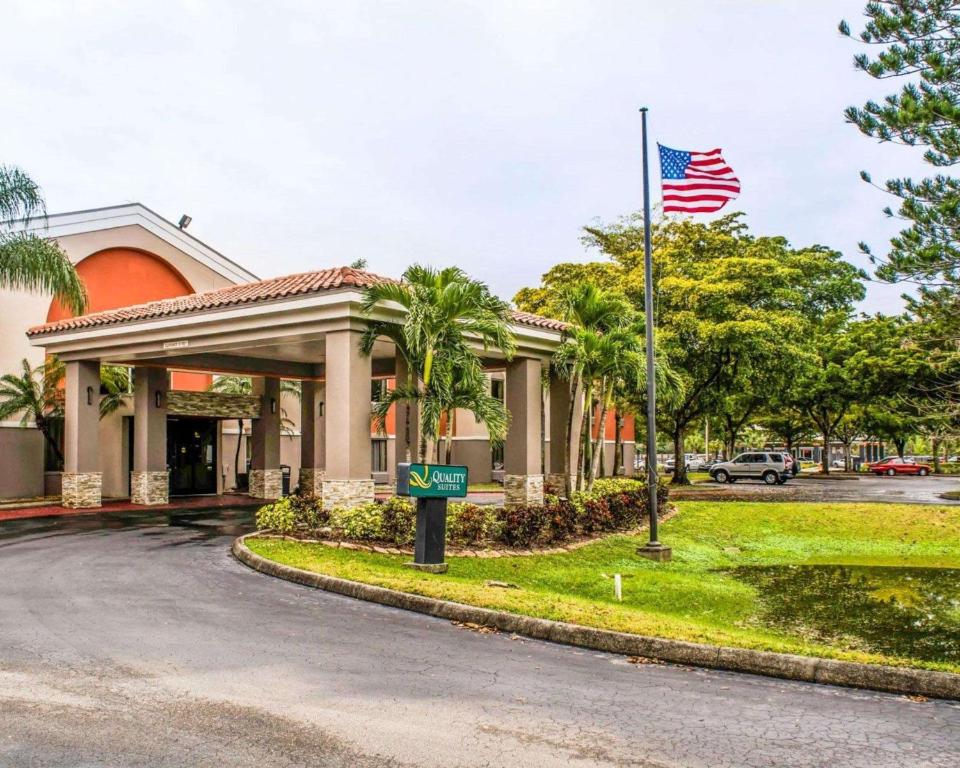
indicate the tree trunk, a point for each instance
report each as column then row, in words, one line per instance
column 448, row 440
column 584, row 432
column 618, row 468
column 598, row 451
column 679, row 462
column 44, row 428
column 935, row 443
column 846, row 455
column 901, row 444
column 825, row 456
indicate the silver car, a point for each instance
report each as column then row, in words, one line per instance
column 767, row 466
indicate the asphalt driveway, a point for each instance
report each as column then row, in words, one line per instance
column 132, row 640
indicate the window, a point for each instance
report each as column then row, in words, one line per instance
column 496, row 389
column 378, row 390
column 378, row 459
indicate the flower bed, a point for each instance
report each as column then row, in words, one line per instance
column 614, row 504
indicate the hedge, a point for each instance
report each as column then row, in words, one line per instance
column 614, row 504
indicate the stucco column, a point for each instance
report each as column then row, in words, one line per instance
column 403, row 409
column 82, row 478
column 149, row 478
column 560, row 407
column 347, row 481
column 312, row 439
column 522, row 480
column 265, row 480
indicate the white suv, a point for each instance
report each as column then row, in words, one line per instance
column 769, row 467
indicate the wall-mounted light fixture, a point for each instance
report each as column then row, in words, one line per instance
column 184, row 221
column 158, row 398
column 321, row 408
column 89, row 395
column 273, row 405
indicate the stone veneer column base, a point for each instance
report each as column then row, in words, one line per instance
column 265, row 483
column 346, row 494
column 522, row 489
column 148, row 487
column 558, row 482
column 310, row 481
column 82, row 489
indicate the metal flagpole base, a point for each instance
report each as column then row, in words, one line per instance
column 654, row 550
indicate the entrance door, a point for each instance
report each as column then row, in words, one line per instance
column 192, row 455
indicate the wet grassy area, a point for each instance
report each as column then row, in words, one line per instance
column 908, row 612
column 862, row 582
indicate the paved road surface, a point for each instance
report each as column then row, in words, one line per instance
column 127, row 641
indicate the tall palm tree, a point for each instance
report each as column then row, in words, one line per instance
column 33, row 394
column 117, row 382
column 590, row 312
column 28, row 262
column 446, row 313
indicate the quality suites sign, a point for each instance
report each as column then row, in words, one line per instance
column 431, row 480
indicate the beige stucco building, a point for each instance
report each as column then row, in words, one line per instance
column 178, row 313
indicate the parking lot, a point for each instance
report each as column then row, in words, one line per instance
column 840, row 487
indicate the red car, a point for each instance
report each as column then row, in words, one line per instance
column 894, row 465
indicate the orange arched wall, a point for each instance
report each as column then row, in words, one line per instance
column 119, row 277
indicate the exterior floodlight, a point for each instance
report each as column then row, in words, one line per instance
column 184, row 221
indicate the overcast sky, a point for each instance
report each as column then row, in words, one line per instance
column 300, row 135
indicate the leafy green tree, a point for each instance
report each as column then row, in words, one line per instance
column 447, row 313
column 405, row 392
column 28, row 262
column 728, row 304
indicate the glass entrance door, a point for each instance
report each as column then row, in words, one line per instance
column 192, row 456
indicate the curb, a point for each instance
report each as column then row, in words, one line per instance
column 902, row 680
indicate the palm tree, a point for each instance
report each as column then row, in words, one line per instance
column 28, row 262
column 33, row 393
column 590, row 311
column 243, row 385
column 446, row 312
column 469, row 391
column 116, row 381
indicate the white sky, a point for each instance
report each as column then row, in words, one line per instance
column 300, row 135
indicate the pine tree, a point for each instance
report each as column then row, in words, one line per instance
column 919, row 41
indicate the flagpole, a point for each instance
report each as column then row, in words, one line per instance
column 653, row 549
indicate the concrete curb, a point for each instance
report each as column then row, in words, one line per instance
column 902, row 680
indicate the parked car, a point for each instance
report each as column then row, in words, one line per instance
column 769, row 467
column 694, row 463
column 894, row 465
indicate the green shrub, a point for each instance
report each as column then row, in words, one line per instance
column 363, row 523
column 292, row 513
column 278, row 516
column 469, row 523
column 399, row 520
column 950, row 468
column 604, row 486
column 523, row 525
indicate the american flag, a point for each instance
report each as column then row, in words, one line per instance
column 696, row 182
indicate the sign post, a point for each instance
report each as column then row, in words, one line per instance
column 431, row 485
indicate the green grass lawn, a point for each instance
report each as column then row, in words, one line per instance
column 697, row 596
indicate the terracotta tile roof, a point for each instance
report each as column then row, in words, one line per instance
column 246, row 293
